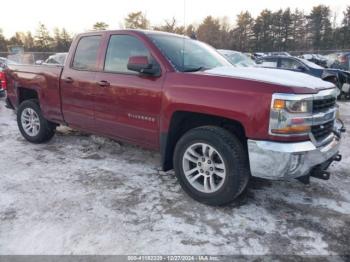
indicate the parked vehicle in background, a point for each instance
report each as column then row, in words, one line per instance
column 237, row 58
column 214, row 123
column 331, row 59
column 342, row 61
column 250, row 55
column 316, row 59
column 278, row 54
column 56, row 59
column 258, row 55
column 339, row 77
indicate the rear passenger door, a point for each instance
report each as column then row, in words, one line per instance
column 128, row 104
column 78, row 83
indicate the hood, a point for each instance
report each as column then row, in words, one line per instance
column 272, row 76
column 336, row 71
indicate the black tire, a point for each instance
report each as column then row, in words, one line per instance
column 234, row 157
column 46, row 129
column 342, row 96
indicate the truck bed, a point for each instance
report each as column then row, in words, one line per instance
column 44, row 80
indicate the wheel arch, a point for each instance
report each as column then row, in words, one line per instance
column 24, row 93
column 183, row 121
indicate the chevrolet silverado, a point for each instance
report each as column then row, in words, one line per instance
column 215, row 124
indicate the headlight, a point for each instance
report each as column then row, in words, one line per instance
column 290, row 115
column 303, row 106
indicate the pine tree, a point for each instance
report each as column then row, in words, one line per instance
column 28, row 42
column 319, row 25
column 3, row 42
column 100, row 26
column 66, row 40
column 345, row 29
column 136, row 20
column 243, row 32
column 209, row 31
column 298, row 31
column 42, row 39
column 286, row 29
column 263, row 35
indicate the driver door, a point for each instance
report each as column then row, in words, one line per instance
column 127, row 104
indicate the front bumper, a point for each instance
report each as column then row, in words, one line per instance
column 277, row 160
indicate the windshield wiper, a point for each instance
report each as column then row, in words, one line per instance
column 194, row 69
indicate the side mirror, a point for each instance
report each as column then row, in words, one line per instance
column 142, row 65
column 39, row 62
column 301, row 68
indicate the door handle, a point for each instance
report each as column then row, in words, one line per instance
column 103, row 83
column 68, row 80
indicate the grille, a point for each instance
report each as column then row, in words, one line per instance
column 322, row 131
column 323, row 104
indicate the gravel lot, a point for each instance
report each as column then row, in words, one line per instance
column 83, row 194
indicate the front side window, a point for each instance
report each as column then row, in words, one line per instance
column 85, row 57
column 120, row 49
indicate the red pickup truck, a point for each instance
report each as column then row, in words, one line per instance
column 215, row 124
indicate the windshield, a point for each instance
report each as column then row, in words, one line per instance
column 188, row 55
column 239, row 59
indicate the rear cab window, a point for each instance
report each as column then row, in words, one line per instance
column 86, row 53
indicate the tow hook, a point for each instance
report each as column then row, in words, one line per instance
column 320, row 171
column 337, row 158
column 316, row 173
column 324, row 175
column 342, row 129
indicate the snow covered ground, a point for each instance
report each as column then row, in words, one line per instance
column 82, row 194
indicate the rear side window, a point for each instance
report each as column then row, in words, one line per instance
column 85, row 57
column 120, row 48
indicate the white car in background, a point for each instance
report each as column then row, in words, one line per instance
column 237, row 58
column 55, row 59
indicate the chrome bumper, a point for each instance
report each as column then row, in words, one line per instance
column 276, row 160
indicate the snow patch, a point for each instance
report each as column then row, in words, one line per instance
column 273, row 76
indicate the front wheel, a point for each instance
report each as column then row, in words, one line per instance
column 32, row 125
column 211, row 165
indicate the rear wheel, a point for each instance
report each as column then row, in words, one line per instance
column 211, row 165
column 32, row 125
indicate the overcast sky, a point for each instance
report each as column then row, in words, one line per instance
column 80, row 15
